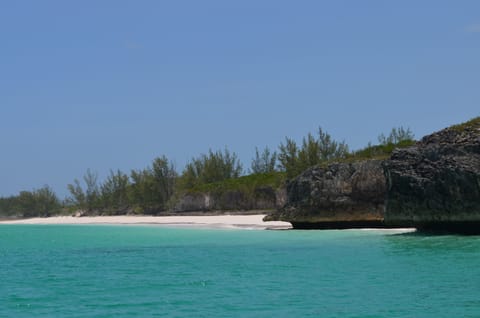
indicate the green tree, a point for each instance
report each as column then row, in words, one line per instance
column 142, row 191
column 42, row 202
column 329, row 148
column 152, row 188
column 264, row 162
column 288, row 157
column 165, row 178
column 88, row 198
column 46, row 201
column 26, row 204
column 314, row 150
column 396, row 136
column 309, row 154
column 114, row 191
column 77, row 195
column 212, row 167
column 7, row 206
column 92, row 191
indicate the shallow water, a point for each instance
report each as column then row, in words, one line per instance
column 151, row 271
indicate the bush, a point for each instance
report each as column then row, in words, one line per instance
column 42, row 202
column 293, row 159
column 212, row 167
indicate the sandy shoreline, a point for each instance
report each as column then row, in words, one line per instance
column 248, row 222
column 217, row 221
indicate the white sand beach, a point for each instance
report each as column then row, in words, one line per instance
column 216, row 221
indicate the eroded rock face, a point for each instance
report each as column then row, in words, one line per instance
column 436, row 183
column 262, row 198
column 341, row 195
column 192, row 202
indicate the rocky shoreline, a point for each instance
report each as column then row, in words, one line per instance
column 432, row 185
column 340, row 192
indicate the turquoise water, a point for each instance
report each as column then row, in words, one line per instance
column 148, row 271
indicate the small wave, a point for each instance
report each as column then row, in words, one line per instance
column 391, row 231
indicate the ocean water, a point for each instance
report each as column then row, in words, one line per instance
column 153, row 271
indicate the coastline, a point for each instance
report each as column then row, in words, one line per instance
column 252, row 221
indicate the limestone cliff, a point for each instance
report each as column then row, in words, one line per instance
column 261, row 198
column 436, row 183
column 341, row 195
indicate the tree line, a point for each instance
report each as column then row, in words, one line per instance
column 156, row 188
column 42, row 202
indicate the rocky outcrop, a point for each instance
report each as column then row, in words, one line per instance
column 260, row 198
column 194, row 202
column 341, row 195
column 436, row 183
column 432, row 185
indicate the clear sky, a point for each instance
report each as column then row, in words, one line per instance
column 113, row 84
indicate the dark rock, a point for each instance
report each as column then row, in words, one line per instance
column 341, row 195
column 280, row 197
column 260, row 198
column 433, row 185
column 233, row 200
column 191, row 202
column 436, row 183
column 264, row 198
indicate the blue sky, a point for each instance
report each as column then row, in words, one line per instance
column 113, row 84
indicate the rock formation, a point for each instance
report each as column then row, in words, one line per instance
column 436, row 183
column 341, row 195
column 194, row 202
column 261, row 198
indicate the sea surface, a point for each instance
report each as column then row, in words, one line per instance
column 154, row 271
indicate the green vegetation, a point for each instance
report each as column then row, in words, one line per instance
column 378, row 151
column 115, row 191
column 398, row 138
column 294, row 159
column 243, row 193
column 152, row 188
column 144, row 191
column 264, row 162
column 248, row 183
column 159, row 187
column 471, row 124
column 213, row 167
column 41, row 202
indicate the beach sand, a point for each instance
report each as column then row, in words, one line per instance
column 207, row 221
